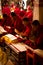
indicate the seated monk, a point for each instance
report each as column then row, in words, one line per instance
column 17, row 21
column 26, row 29
column 8, row 24
column 36, row 39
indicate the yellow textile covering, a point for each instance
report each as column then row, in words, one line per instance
column 1, row 17
column 3, row 57
column 9, row 38
column 6, row 39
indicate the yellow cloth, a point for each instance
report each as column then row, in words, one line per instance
column 3, row 57
column 9, row 38
column 6, row 39
column 1, row 16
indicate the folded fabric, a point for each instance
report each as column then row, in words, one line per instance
column 9, row 38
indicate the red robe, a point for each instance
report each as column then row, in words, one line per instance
column 18, row 24
column 27, row 31
column 8, row 24
column 38, row 40
column 22, row 13
column 6, row 10
column 17, row 10
column 29, row 15
column 1, row 22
